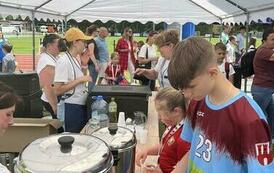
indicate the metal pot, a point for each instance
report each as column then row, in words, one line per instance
column 65, row 153
column 122, row 144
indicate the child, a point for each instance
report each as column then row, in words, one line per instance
column 9, row 64
column 227, row 130
column 226, row 68
column 113, row 70
column 231, row 50
column 171, row 107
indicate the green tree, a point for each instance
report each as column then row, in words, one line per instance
column 9, row 17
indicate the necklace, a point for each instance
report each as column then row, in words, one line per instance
column 170, row 133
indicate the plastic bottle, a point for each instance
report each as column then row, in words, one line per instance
column 100, row 111
column 61, row 111
column 112, row 109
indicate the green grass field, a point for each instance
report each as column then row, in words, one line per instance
column 23, row 44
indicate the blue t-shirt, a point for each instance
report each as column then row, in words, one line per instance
column 2, row 54
column 229, row 138
column 102, row 49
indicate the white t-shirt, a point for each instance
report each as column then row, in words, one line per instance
column 152, row 53
column 68, row 69
column 45, row 60
column 3, row 169
column 222, row 69
column 241, row 41
column 162, row 68
column 231, row 56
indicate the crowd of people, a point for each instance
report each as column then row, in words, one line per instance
column 211, row 125
column 67, row 65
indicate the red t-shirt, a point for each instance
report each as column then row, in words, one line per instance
column 263, row 68
column 174, row 148
column 113, row 71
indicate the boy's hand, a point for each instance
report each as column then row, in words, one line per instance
column 153, row 169
column 141, row 157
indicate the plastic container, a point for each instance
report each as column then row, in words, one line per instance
column 100, row 111
column 112, row 108
column 61, row 111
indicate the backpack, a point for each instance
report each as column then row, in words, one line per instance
column 247, row 63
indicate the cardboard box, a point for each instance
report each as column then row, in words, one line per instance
column 26, row 130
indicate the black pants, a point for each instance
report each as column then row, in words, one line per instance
column 49, row 109
column 237, row 78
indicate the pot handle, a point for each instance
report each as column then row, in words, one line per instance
column 66, row 143
column 115, row 157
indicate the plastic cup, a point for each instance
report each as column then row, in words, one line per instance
column 121, row 119
column 143, row 136
column 150, row 162
column 138, row 130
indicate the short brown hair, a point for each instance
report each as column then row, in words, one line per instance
column 190, row 58
column 232, row 38
column 91, row 29
column 7, row 47
column 172, row 98
column 220, row 46
column 8, row 97
column 167, row 37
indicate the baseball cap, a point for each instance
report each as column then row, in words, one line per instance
column 74, row 34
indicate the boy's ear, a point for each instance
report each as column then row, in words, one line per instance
column 213, row 71
column 177, row 109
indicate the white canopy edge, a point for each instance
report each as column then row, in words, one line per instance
column 181, row 11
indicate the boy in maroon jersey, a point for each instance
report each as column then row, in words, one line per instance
column 227, row 129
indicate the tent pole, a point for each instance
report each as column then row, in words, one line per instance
column 33, row 41
column 66, row 24
column 62, row 30
column 247, row 35
column 222, row 29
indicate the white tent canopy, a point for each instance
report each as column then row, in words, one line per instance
column 169, row 11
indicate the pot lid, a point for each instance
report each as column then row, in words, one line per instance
column 124, row 138
column 66, row 153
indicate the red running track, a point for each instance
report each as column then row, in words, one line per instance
column 25, row 62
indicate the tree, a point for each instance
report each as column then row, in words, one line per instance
column 19, row 18
column 9, row 17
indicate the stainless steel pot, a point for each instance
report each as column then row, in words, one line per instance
column 65, row 153
column 122, row 144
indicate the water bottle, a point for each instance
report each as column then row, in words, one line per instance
column 61, row 111
column 93, row 125
column 112, row 109
column 100, row 111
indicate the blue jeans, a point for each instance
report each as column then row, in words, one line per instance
column 265, row 99
column 75, row 117
column 93, row 74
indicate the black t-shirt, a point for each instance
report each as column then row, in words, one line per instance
column 95, row 50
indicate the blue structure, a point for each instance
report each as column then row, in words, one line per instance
column 188, row 30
